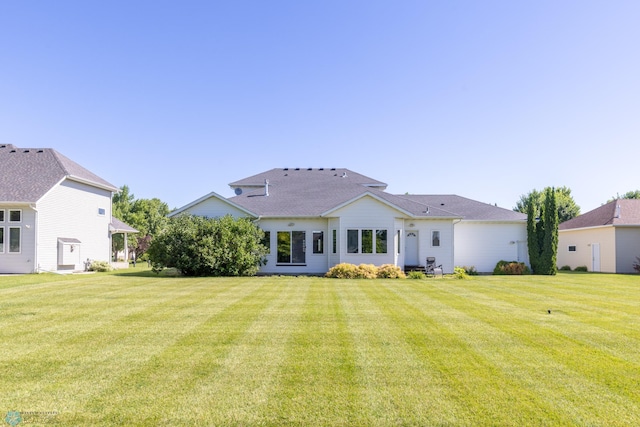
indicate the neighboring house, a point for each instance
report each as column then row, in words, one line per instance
column 606, row 239
column 317, row 218
column 54, row 214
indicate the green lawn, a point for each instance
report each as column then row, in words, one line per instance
column 137, row 349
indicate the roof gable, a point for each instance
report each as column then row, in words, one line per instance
column 615, row 213
column 29, row 173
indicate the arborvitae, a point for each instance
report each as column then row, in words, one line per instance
column 532, row 238
column 542, row 235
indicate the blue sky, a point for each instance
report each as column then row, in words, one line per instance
column 484, row 99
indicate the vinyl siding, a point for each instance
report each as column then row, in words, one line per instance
column 443, row 253
column 582, row 239
column 627, row 248
column 482, row 244
column 70, row 210
column 24, row 261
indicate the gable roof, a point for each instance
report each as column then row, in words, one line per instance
column 468, row 209
column 209, row 196
column 29, row 173
column 309, row 192
column 616, row 213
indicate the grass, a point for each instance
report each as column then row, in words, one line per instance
column 136, row 349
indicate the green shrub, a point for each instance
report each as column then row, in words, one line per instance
column 581, row 268
column 460, row 273
column 417, row 275
column 367, row 271
column 511, row 268
column 471, row 270
column 100, row 266
column 565, row 268
column 390, row 271
column 198, row 246
column 343, row 271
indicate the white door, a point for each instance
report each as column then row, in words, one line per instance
column 595, row 257
column 411, row 248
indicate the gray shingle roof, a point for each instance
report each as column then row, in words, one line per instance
column 27, row 174
column 311, row 192
column 609, row 214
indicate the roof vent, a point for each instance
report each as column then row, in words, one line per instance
column 618, row 211
column 25, row 151
column 266, row 187
column 40, row 151
column 344, row 174
column 12, row 151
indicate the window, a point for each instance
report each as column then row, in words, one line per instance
column 435, row 238
column 291, row 247
column 367, row 241
column 398, row 241
column 102, row 212
column 15, row 216
column 1, row 240
column 572, row 248
column 266, row 241
column 1, row 215
column 318, row 242
column 335, row 241
column 14, row 239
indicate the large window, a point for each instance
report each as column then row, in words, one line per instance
column 291, row 247
column 14, row 239
column 367, row 241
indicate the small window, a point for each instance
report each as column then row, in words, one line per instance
column 1, row 215
column 318, row 242
column 572, row 248
column 266, row 241
column 102, row 211
column 435, row 238
column 335, row 241
column 352, row 241
column 14, row 239
column 1, row 240
column 15, row 216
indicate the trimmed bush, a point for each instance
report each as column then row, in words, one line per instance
column 581, row 268
column 100, row 266
column 416, row 275
column 460, row 273
column 390, row 271
column 471, row 270
column 343, row 271
column 511, row 268
column 367, row 271
column 565, row 268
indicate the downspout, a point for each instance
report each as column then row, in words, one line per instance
column 36, row 265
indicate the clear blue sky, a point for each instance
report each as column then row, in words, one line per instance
column 484, row 99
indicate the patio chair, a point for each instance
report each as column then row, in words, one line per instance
column 431, row 268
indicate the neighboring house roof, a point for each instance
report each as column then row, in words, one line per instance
column 29, row 173
column 209, row 196
column 615, row 213
column 468, row 209
column 313, row 192
column 118, row 226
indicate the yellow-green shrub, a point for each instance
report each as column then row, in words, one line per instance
column 390, row 271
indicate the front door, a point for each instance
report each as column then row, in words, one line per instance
column 411, row 248
column 595, row 257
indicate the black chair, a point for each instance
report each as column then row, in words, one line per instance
column 431, row 268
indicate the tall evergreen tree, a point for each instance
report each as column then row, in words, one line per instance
column 542, row 235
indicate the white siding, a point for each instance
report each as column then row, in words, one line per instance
column 370, row 214
column 214, row 207
column 24, row 261
column 482, row 244
column 443, row 253
column 315, row 263
column 70, row 210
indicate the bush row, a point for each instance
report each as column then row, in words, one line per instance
column 365, row 271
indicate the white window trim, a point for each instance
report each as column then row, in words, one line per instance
column 439, row 239
column 9, row 216
column 8, row 238
column 374, row 238
column 104, row 213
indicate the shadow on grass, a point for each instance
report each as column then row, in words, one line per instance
column 147, row 272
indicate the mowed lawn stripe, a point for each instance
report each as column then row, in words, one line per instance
column 179, row 358
column 239, row 391
column 559, row 369
column 398, row 386
column 476, row 388
column 318, row 382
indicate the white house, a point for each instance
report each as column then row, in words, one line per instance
column 317, row 218
column 606, row 239
column 54, row 214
